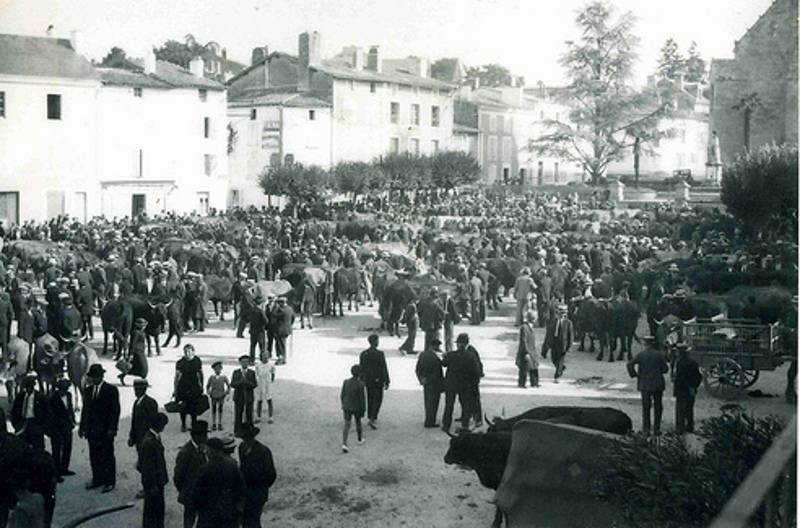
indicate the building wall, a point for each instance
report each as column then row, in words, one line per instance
column 40, row 157
column 765, row 63
column 160, row 137
column 362, row 127
column 498, row 143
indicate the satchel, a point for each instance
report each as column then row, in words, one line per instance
column 124, row 366
column 174, row 406
column 201, row 405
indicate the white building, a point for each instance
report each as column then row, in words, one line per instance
column 86, row 141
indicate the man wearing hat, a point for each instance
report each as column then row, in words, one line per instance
column 281, row 320
column 431, row 315
column 6, row 316
column 28, row 413
column 687, row 381
column 429, row 374
column 463, row 375
column 60, row 421
column 69, row 322
column 527, row 359
column 650, row 382
column 191, row 458
column 99, row 423
column 154, row 472
column 144, row 408
column 139, row 275
column 84, row 301
column 244, row 383
column 558, row 340
column 258, row 470
column 524, row 289
column 477, row 293
column 376, row 378
column 219, row 490
column 237, row 294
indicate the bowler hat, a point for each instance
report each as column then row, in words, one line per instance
column 63, row 383
column 158, row 420
column 96, row 371
column 435, row 341
column 249, row 431
column 222, row 443
column 140, row 382
column 199, row 427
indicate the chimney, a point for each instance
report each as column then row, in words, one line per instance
column 308, row 55
column 423, row 66
column 196, row 67
column 357, row 58
column 259, row 54
column 374, row 59
column 542, row 90
column 73, row 40
column 224, row 54
column 150, row 62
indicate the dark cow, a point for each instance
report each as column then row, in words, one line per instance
column 626, row 319
column 506, row 271
column 346, row 285
column 487, row 453
column 220, row 293
column 595, row 318
column 703, row 306
column 117, row 319
column 398, row 293
column 152, row 311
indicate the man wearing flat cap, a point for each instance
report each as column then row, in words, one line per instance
column 652, row 365
column 99, row 423
column 244, row 383
column 219, row 491
column 191, row 458
column 258, row 470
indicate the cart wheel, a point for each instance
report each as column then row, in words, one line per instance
column 750, row 377
column 725, row 379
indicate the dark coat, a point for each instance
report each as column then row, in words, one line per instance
column 687, row 378
column 188, row 464
column 243, row 385
column 18, row 412
column 60, row 418
column 558, row 337
column 219, row 493
column 25, row 326
column 429, row 369
column 373, row 367
column 85, row 300
column 258, row 321
column 527, row 354
column 652, row 366
column 140, row 419
column 258, row 470
column 431, row 314
column 152, row 463
column 463, row 371
column 352, row 396
column 100, row 416
column 138, row 354
column 281, row 320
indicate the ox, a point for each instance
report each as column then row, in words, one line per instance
column 220, row 293
column 116, row 318
column 346, row 285
column 487, row 453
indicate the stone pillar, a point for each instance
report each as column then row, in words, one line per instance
column 620, row 188
column 682, row 194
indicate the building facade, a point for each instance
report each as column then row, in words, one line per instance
column 87, row 141
column 754, row 95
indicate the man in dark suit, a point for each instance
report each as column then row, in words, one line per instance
column 650, row 382
column 246, row 304
column 28, row 413
column 463, row 374
column 85, row 304
column 451, row 319
column 431, row 315
column 139, row 273
column 60, row 422
column 191, row 458
column 99, row 423
column 558, row 340
column 6, row 316
column 258, row 470
column 154, row 472
column 429, row 374
column 144, row 408
column 258, row 327
column 281, row 319
column 687, row 380
column 376, row 378
column 244, row 383
column 219, row 490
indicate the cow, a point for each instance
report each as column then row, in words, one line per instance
column 346, row 285
column 220, row 293
column 595, row 318
column 116, row 318
column 398, row 293
column 626, row 319
column 17, row 359
column 304, row 298
column 487, row 453
column 155, row 313
column 79, row 359
column 505, row 271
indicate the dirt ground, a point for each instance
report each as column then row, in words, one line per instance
column 398, row 477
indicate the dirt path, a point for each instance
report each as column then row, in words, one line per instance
column 398, row 477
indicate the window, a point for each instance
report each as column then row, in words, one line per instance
column 413, row 146
column 2, row 104
column 202, row 93
column 202, row 199
column 208, row 160
column 492, row 123
column 492, row 148
column 415, row 114
column 434, row 146
column 233, row 198
column 289, row 159
column 394, row 111
column 137, row 92
column 53, row 106
column 373, row 87
column 506, row 149
column 206, row 127
column 394, row 145
column 253, row 114
column 506, row 175
column 312, row 115
column 555, row 172
column 352, row 84
column 500, row 124
column 434, row 116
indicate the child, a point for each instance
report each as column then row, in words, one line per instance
column 353, row 404
column 265, row 375
column 218, row 388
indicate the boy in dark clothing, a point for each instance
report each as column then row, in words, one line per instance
column 353, row 405
column 687, row 380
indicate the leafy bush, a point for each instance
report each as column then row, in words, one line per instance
column 664, row 484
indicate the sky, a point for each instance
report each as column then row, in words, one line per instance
column 526, row 36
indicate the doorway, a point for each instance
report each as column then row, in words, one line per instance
column 137, row 205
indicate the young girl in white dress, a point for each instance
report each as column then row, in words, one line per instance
column 265, row 375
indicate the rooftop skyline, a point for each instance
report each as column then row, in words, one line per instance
column 525, row 36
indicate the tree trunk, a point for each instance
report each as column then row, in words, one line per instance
column 747, row 113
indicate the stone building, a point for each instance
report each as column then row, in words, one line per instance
column 754, row 95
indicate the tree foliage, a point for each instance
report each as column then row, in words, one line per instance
column 695, row 64
column 451, row 169
column 406, row 172
column 606, row 113
column 178, row 52
column 357, row 178
column 671, row 63
column 303, row 186
column 490, row 75
column 117, row 58
column 760, row 190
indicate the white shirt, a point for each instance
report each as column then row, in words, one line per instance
column 29, row 402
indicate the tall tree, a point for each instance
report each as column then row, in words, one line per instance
column 357, row 178
column 178, row 52
column 449, row 169
column 670, row 61
column 117, row 58
column 695, row 64
column 747, row 105
column 490, row 75
column 606, row 114
column 303, row 186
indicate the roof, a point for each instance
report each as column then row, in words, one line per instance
column 258, row 63
column 167, row 76
column 283, row 98
column 42, row 57
column 448, row 70
column 337, row 71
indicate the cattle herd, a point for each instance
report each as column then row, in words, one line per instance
column 663, row 264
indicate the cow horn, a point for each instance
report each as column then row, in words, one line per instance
column 153, row 306
column 169, row 303
column 487, row 420
column 690, row 321
column 451, row 435
column 659, row 323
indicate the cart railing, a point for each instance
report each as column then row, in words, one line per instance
column 733, row 337
column 767, row 497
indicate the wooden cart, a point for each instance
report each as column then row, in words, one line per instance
column 732, row 352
